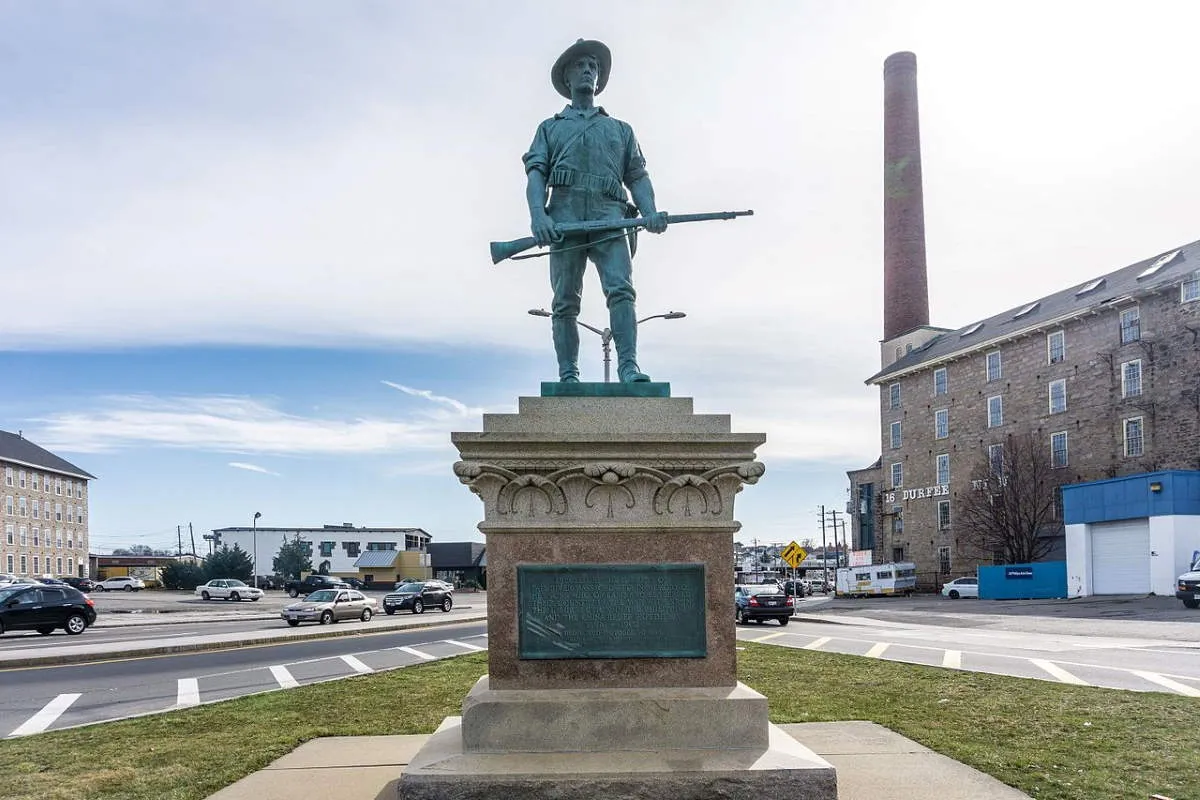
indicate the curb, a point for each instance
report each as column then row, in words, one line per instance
column 321, row 632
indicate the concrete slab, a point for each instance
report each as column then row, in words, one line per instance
column 786, row 770
column 873, row 762
column 351, row 751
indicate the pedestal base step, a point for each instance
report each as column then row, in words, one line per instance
column 786, row 770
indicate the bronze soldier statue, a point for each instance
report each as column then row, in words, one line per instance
column 586, row 160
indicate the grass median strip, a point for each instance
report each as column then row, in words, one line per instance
column 1052, row 741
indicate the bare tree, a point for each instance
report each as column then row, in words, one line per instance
column 1010, row 510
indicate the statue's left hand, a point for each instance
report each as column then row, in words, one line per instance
column 656, row 222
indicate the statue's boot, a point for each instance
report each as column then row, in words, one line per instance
column 623, row 322
column 566, row 347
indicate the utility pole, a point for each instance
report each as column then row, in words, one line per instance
column 192, row 534
column 824, row 552
column 179, row 541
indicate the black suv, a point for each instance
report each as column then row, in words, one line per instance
column 43, row 608
column 763, row 602
column 419, row 596
column 82, row 584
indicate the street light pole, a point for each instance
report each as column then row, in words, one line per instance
column 606, row 335
column 254, row 546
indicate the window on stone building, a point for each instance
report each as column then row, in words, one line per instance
column 941, row 423
column 22, row 506
column 9, row 532
column 1131, row 378
column 8, row 505
column 8, row 564
column 1131, row 325
column 941, row 381
column 897, row 475
column 943, row 469
column 1133, row 436
column 37, row 509
column 894, row 395
column 898, row 553
column 895, row 435
column 8, row 476
column 23, row 536
column 1056, row 346
column 995, row 411
column 1189, row 290
column 33, row 481
column 1058, row 396
column 943, row 515
column 37, row 535
column 944, row 560
column 994, row 370
column 21, row 479
column 1058, row 449
column 996, row 458
column 24, row 566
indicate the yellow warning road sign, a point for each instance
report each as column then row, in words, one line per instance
column 793, row 554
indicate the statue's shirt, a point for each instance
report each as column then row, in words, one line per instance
column 590, row 154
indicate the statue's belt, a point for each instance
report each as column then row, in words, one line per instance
column 609, row 187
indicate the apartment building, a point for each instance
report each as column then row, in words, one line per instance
column 1105, row 375
column 44, row 512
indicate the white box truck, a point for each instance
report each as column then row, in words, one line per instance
column 899, row 577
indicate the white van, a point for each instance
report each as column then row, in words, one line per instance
column 1187, row 585
column 877, row 579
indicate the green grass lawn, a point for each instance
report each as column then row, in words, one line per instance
column 1052, row 741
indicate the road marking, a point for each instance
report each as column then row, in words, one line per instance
column 357, row 665
column 1174, row 686
column 878, row 649
column 817, row 644
column 465, row 645
column 767, row 638
column 1057, row 671
column 188, row 693
column 45, row 718
column 283, row 677
column 952, row 659
column 418, row 653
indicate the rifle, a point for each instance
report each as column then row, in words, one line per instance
column 504, row 250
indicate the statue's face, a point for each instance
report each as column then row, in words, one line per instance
column 583, row 73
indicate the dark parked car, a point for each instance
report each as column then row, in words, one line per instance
column 798, row 588
column 762, row 602
column 82, row 584
column 355, row 583
column 418, row 596
column 313, row 583
column 43, row 608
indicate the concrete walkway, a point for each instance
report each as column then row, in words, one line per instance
column 872, row 762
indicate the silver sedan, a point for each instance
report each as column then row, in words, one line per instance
column 228, row 589
column 327, row 606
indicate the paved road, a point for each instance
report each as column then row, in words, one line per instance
column 46, row 698
column 1136, row 664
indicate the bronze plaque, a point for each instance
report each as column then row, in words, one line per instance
column 611, row 611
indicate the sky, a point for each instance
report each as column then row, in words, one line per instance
column 243, row 246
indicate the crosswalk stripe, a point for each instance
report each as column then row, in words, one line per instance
column 1058, row 672
column 878, row 649
column 767, row 637
column 357, row 665
column 46, row 717
column 1174, row 686
column 283, row 677
column 952, row 659
column 464, row 645
column 817, row 644
column 418, row 653
column 188, row 693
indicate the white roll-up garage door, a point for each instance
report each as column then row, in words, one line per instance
column 1121, row 557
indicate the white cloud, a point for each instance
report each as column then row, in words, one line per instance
column 251, row 467
column 229, row 424
column 450, row 402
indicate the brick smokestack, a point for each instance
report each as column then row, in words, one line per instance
column 905, row 284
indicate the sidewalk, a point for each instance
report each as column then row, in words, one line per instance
column 872, row 762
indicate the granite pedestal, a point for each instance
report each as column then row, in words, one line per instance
column 611, row 644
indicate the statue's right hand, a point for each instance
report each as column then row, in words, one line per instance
column 544, row 230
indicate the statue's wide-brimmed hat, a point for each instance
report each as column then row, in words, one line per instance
column 597, row 50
